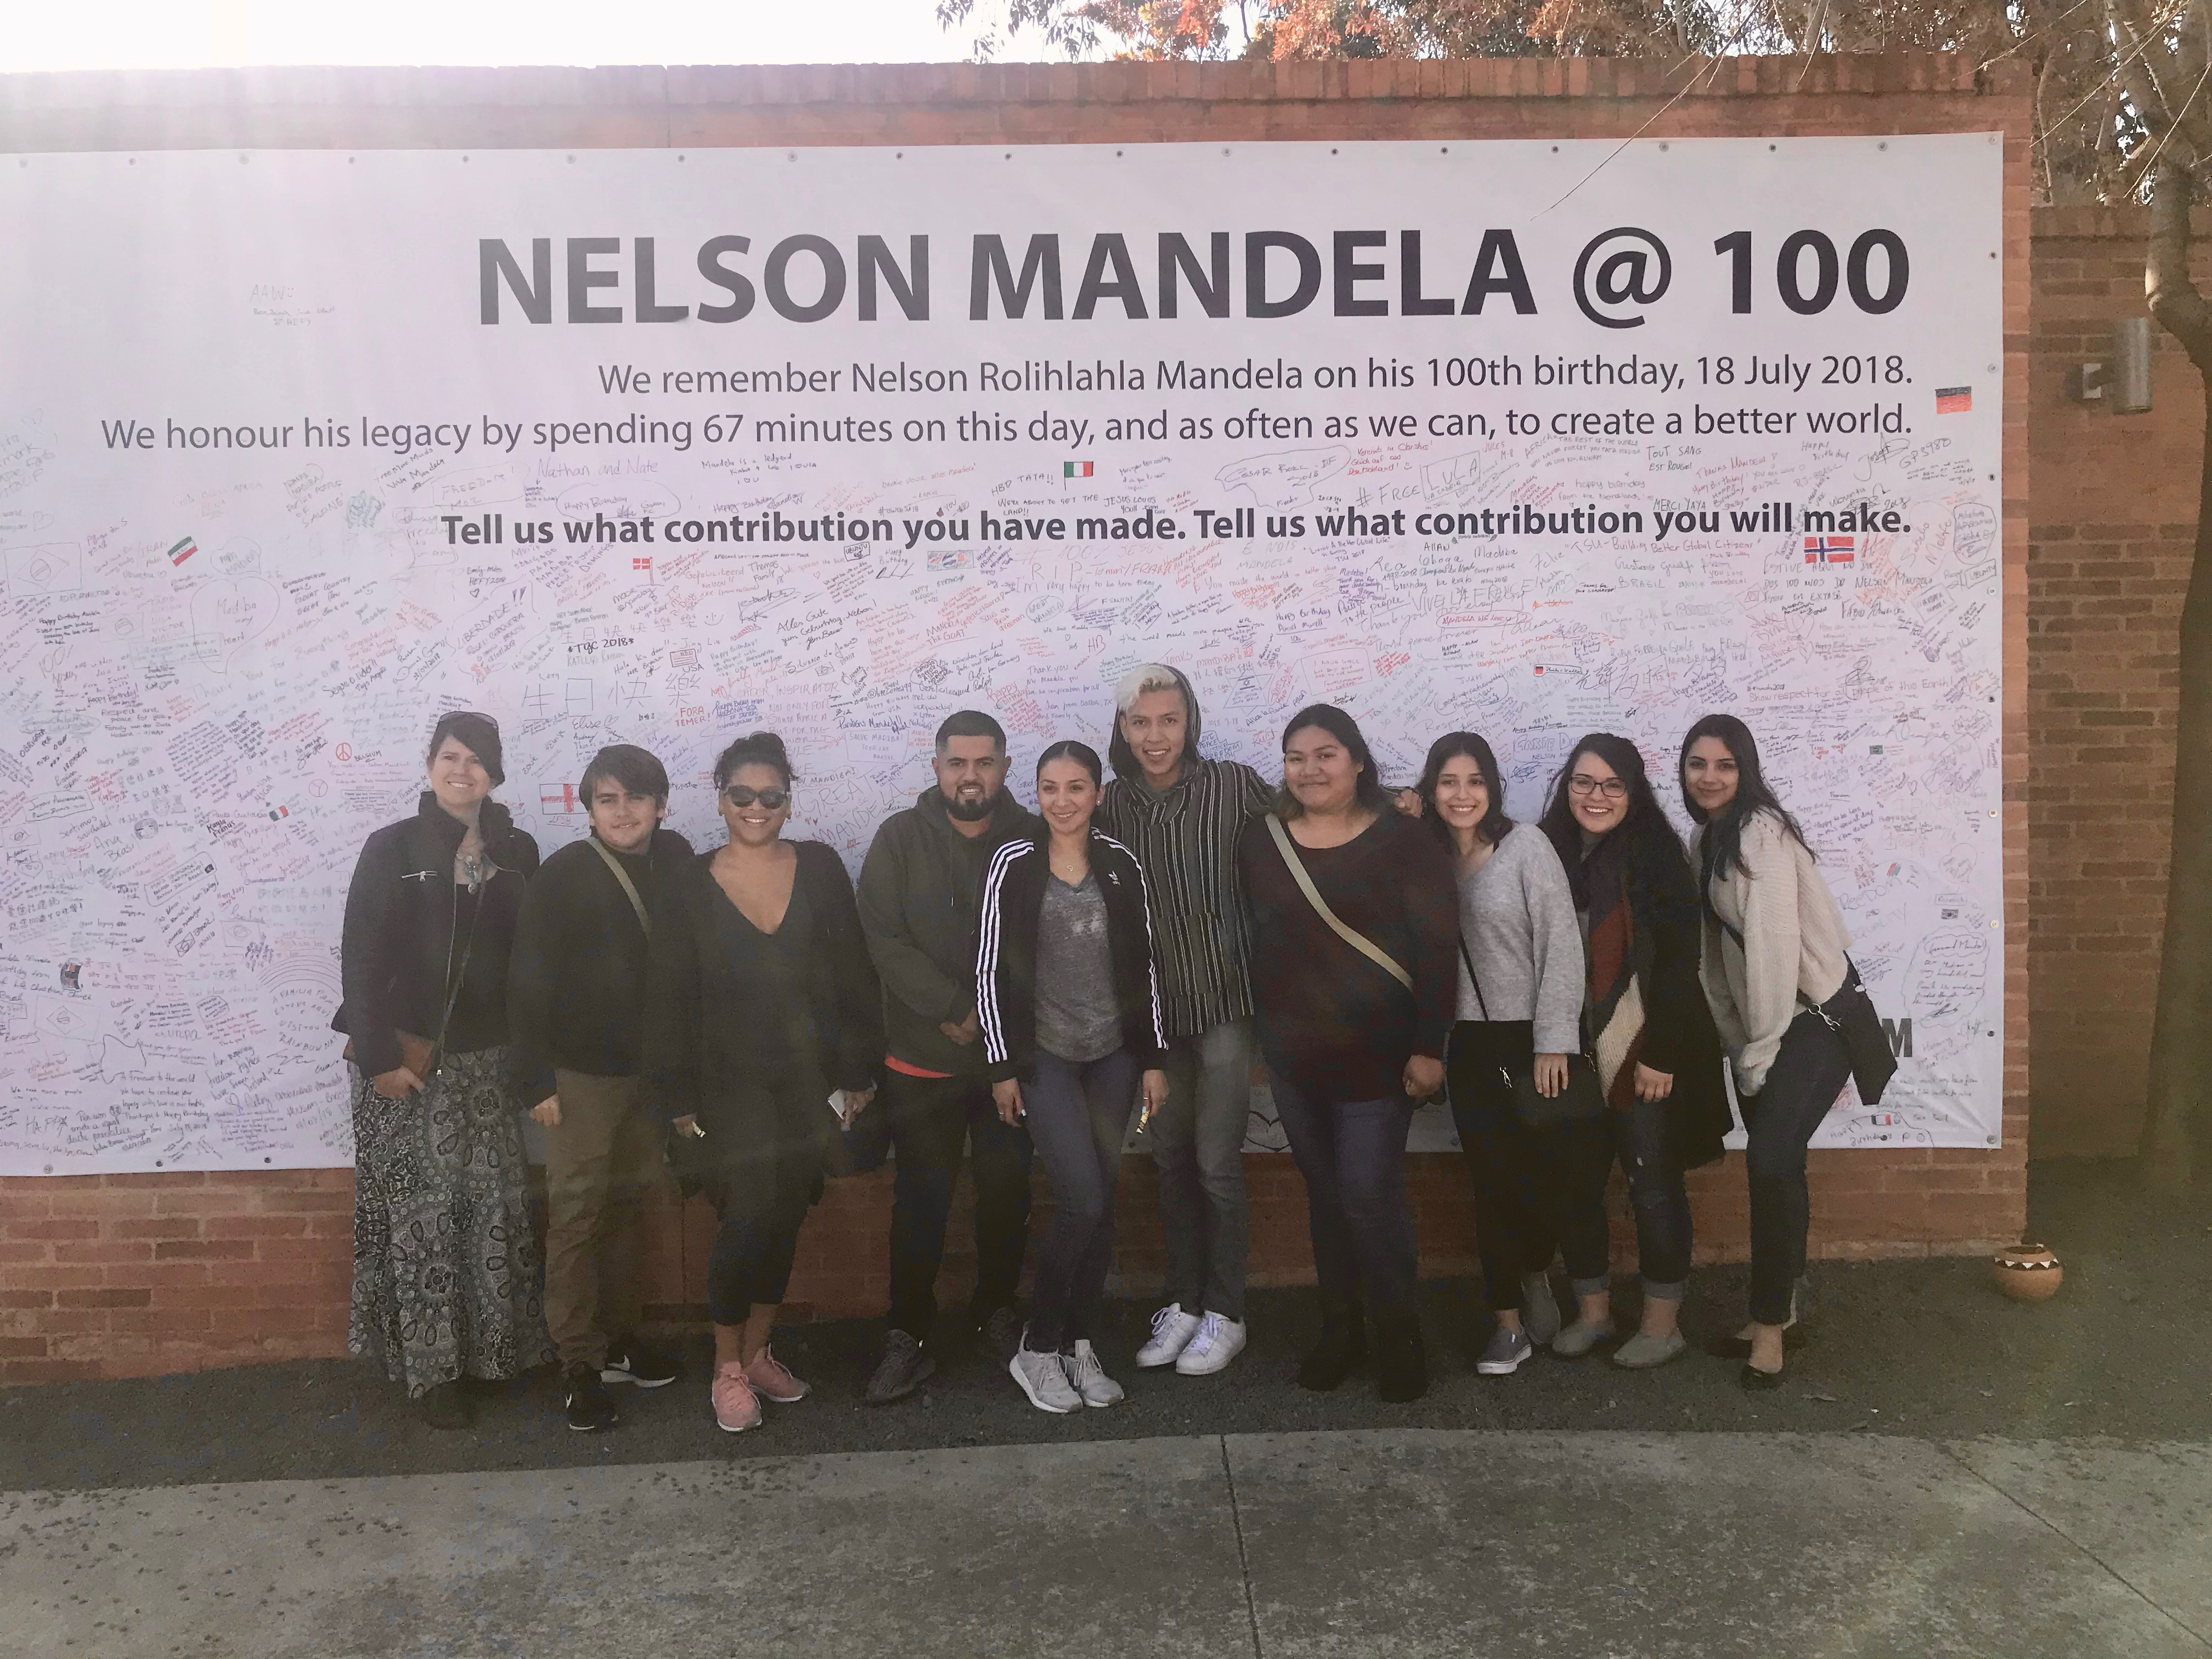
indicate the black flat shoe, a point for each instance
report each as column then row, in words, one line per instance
column 1756, row 1381
column 1794, row 1337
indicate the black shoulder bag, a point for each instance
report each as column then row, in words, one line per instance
column 1580, row 1098
column 1849, row 1013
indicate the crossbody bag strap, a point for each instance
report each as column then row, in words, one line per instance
column 1473, row 978
column 1359, row 941
column 629, row 887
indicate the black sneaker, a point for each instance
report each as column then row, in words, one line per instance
column 906, row 1365
column 446, row 1406
column 589, row 1405
column 633, row 1362
column 999, row 1330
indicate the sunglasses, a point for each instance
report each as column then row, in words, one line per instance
column 774, row 800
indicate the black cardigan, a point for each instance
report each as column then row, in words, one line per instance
column 1006, row 953
column 575, row 986
column 698, row 1056
column 1679, row 1037
column 400, row 937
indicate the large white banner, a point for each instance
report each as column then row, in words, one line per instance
column 299, row 449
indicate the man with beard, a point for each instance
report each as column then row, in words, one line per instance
column 919, row 891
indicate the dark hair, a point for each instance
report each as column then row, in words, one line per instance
column 1643, row 822
column 970, row 723
column 761, row 749
column 1150, row 676
column 1450, row 747
column 479, row 732
column 636, row 770
column 1724, row 844
column 1367, row 790
column 1082, row 753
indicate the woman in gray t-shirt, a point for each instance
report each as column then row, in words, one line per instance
column 1068, row 1002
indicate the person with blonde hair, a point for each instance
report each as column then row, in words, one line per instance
column 1181, row 813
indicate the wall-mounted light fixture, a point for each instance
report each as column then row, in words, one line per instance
column 2122, row 384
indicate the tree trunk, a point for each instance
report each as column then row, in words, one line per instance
column 2175, row 1119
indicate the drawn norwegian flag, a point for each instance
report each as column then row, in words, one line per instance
column 1831, row 550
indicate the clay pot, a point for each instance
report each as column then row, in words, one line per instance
column 2028, row 1273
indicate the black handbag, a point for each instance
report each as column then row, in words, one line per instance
column 1849, row 1014
column 1579, row 1100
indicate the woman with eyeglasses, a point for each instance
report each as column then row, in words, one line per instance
column 1775, row 951
column 1068, row 1000
column 1355, row 929
column 1520, row 1011
column 446, row 1265
column 763, row 1003
column 1658, row 1056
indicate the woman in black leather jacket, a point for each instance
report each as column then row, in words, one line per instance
column 447, row 1273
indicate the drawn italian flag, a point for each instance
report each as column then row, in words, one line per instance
column 1075, row 469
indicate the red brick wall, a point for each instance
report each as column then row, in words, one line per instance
column 2114, row 528
column 138, row 1273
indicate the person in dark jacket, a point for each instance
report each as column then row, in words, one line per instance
column 1651, row 1033
column 762, row 1026
column 575, row 1007
column 919, row 889
column 1353, row 1032
column 1180, row 811
column 1070, row 1004
column 446, row 1265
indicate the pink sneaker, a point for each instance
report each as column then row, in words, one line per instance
column 736, row 1409
column 772, row 1382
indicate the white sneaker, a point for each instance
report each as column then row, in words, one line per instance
column 1219, row 1341
column 1172, row 1330
column 1089, row 1379
column 1043, row 1377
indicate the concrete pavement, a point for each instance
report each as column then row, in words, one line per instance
column 1409, row 1541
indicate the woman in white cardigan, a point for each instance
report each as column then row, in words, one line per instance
column 1774, row 950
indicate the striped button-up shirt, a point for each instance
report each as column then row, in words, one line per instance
column 1186, row 838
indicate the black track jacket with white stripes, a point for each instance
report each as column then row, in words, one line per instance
column 1005, row 955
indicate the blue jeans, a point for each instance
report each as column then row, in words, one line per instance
column 1198, row 1144
column 1077, row 1114
column 1352, row 1154
column 1642, row 1141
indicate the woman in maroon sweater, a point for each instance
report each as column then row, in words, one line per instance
column 1352, row 1032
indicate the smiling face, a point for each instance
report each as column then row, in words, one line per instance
column 1319, row 771
column 1597, row 793
column 1156, row 728
column 1710, row 775
column 971, row 771
column 1462, row 797
column 751, row 819
column 1066, row 795
column 623, row 820
column 458, row 778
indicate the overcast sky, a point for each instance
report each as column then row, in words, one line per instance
column 93, row 34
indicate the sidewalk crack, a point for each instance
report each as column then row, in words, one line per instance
column 1244, row 1561
column 2059, row 1531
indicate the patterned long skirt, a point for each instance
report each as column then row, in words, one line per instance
column 448, row 1280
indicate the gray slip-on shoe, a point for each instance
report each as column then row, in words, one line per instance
column 1579, row 1338
column 1643, row 1352
column 1540, row 1308
column 1503, row 1354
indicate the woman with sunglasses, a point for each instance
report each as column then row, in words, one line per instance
column 1658, row 1056
column 1775, row 948
column 1068, row 999
column 763, row 1002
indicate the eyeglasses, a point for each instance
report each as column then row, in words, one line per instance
column 1611, row 788
column 774, row 800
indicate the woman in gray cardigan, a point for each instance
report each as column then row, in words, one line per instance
column 1520, row 1002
